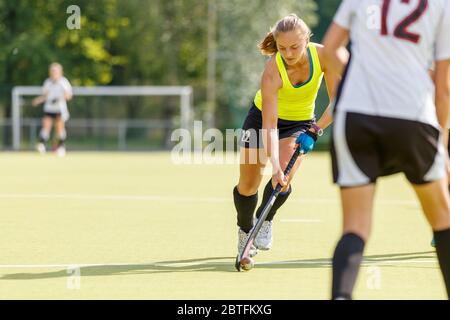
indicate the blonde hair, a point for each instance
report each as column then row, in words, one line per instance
column 56, row 65
column 268, row 45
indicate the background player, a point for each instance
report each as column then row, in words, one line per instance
column 388, row 118
column 56, row 92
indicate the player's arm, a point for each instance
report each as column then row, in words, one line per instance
column 442, row 84
column 442, row 94
column 38, row 100
column 332, row 80
column 41, row 99
column 270, row 84
column 68, row 93
column 441, row 76
column 335, row 53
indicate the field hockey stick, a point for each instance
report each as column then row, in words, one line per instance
column 245, row 252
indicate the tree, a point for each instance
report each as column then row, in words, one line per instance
column 326, row 11
column 242, row 24
column 142, row 42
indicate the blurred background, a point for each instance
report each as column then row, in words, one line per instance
column 209, row 45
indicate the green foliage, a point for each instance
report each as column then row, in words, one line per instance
column 242, row 24
column 137, row 42
column 35, row 34
column 326, row 11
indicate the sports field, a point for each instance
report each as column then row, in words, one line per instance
column 136, row 226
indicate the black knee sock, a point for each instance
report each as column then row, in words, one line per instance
column 281, row 199
column 442, row 239
column 61, row 142
column 43, row 139
column 245, row 207
column 346, row 262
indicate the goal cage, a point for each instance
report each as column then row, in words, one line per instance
column 101, row 114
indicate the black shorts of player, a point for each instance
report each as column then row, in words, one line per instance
column 366, row 147
column 251, row 137
column 53, row 115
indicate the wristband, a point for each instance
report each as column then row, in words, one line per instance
column 317, row 129
column 312, row 135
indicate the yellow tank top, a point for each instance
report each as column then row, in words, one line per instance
column 297, row 103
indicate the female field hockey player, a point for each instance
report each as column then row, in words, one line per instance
column 56, row 92
column 282, row 112
column 389, row 117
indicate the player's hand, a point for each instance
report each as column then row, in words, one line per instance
column 280, row 178
column 35, row 102
column 306, row 140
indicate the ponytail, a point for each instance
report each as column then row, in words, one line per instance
column 268, row 46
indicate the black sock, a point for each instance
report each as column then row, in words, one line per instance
column 281, row 199
column 43, row 140
column 442, row 239
column 346, row 262
column 245, row 207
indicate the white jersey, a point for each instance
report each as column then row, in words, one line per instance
column 56, row 101
column 394, row 43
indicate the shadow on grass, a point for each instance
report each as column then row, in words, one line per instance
column 213, row 264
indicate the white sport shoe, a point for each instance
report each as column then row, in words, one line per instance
column 61, row 151
column 264, row 237
column 242, row 239
column 40, row 147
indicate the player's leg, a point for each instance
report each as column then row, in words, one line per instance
column 253, row 162
column 44, row 135
column 60, row 129
column 264, row 238
column 245, row 194
column 357, row 163
column 357, row 205
column 447, row 145
column 427, row 172
column 435, row 202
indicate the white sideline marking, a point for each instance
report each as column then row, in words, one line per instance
column 364, row 262
column 174, row 199
column 112, row 197
column 302, row 220
column 72, row 265
column 193, row 264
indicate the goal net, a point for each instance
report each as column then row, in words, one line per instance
column 108, row 118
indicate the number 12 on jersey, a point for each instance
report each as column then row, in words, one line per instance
column 401, row 30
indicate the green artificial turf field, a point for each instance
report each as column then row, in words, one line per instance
column 136, row 226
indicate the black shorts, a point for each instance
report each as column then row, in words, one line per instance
column 366, row 147
column 53, row 115
column 251, row 137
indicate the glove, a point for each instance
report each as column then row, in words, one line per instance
column 306, row 140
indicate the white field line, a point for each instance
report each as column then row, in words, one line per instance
column 118, row 197
column 194, row 264
column 71, row 196
column 364, row 262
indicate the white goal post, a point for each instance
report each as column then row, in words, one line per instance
column 184, row 92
